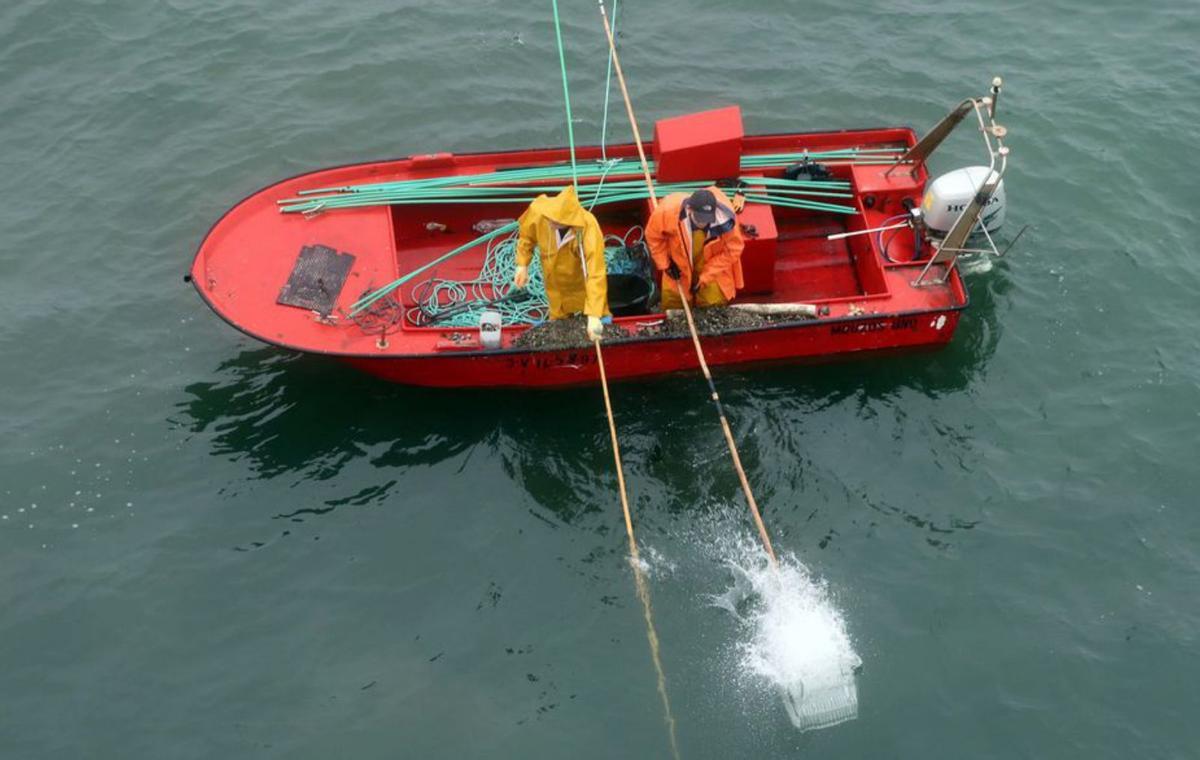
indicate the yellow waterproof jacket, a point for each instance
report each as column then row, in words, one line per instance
column 574, row 274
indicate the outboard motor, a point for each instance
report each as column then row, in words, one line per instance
column 947, row 196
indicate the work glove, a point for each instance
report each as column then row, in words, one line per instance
column 595, row 328
column 673, row 271
column 521, row 278
column 739, row 202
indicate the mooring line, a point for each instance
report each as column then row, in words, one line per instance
column 687, row 309
column 639, row 577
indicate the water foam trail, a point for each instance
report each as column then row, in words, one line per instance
column 797, row 642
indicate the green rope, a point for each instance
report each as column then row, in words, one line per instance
column 562, row 63
column 600, row 183
column 370, row 298
column 608, row 89
column 460, row 303
column 466, row 300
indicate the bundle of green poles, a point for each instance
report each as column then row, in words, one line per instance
column 523, row 185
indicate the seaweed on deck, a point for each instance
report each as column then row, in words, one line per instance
column 563, row 333
column 571, row 332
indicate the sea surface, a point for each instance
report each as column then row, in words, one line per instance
column 214, row 549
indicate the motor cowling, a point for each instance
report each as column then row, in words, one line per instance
column 947, row 196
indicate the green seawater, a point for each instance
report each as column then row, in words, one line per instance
column 214, row 549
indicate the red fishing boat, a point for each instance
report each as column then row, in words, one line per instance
column 850, row 248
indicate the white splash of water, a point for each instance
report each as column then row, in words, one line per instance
column 797, row 639
column 654, row 564
column 975, row 265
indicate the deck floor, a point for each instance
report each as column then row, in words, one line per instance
column 809, row 267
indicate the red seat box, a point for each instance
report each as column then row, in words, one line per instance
column 699, row 146
column 758, row 257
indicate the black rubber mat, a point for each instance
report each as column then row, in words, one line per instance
column 316, row 279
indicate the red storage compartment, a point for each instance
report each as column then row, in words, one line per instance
column 699, row 146
column 758, row 257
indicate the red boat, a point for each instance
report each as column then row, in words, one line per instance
column 295, row 280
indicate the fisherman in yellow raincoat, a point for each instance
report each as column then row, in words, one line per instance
column 572, row 249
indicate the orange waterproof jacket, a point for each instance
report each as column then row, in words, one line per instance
column 669, row 237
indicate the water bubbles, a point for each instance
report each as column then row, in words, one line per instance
column 654, row 564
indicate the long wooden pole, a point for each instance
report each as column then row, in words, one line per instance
column 639, row 576
column 612, row 429
column 733, row 449
column 687, row 309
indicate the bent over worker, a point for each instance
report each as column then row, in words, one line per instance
column 572, row 255
column 695, row 242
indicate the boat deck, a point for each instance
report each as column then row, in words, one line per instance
column 249, row 254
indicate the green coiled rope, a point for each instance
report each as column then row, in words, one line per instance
column 460, row 303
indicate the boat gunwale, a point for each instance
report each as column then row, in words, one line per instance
column 794, row 324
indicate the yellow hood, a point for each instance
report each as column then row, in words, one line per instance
column 563, row 208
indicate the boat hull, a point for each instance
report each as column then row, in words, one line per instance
column 816, row 341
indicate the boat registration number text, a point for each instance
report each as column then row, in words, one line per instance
column 874, row 325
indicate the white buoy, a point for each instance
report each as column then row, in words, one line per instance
column 490, row 325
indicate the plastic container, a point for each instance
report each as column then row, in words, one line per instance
column 629, row 295
column 489, row 329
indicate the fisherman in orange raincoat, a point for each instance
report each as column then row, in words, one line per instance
column 571, row 245
column 696, row 243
